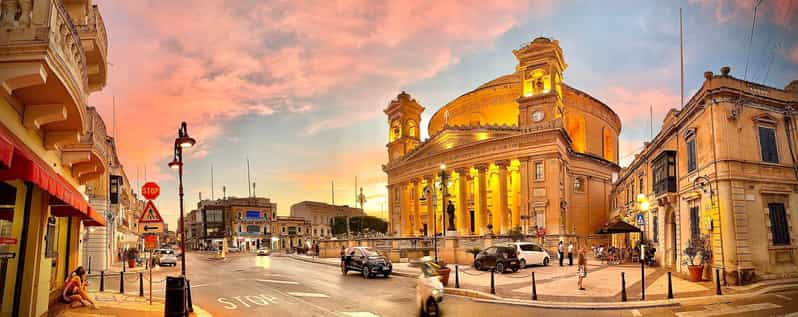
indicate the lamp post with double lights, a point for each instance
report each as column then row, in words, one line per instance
column 183, row 141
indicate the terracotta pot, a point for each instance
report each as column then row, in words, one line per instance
column 131, row 263
column 696, row 272
column 444, row 275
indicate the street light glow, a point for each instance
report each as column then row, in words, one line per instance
column 443, row 166
column 641, row 197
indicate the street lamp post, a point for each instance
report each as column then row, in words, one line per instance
column 444, row 191
column 182, row 141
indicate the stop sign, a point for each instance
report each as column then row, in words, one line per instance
column 150, row 190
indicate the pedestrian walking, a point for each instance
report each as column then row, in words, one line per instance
column 560, row 253
column 343, row 251
column 581, row 263
column 570, row 253
column 317, row 250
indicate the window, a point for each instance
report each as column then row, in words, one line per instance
column 51, row 239
column 779, row 227
column 655, row 227
column 663, row 170
column 641, row 184
column 633, row 191
column 691, row 155
column 579, row 185
column 767, row 144
column 527, row 247
column 538, row 171
column 695, row 223
column 253, row 229
column 490, row 251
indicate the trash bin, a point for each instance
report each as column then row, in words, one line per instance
column 175, row 303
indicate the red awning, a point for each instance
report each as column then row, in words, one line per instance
column 65, row 200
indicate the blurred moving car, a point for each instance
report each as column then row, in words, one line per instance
column 499, row 258
column 263, row 252
column 530, row 253
column 368, row 261
column 233, row 249
column 164, row 257
column 429, row 289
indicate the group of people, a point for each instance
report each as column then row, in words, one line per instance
column 611, row 255
column 581, row 261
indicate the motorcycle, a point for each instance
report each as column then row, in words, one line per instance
column 429, row 290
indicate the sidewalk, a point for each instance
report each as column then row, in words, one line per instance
column 556, row 286
column 115, row 304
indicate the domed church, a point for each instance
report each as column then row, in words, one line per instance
column 524, row 151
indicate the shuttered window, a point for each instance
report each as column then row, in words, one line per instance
column 691, row 155
column 767, row 144
column 695, row 223
column 778, row 224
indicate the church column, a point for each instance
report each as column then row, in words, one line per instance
column 430, row 207
column 515, row 181
column 416, row 188
column 462, row 202
column 404, row 210
column 481, row 200
column 502, row 195
column 393, row 222
column 524, row 193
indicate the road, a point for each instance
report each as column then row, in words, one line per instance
column 248, row 285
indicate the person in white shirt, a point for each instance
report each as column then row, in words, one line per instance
column 560, row 252
column 570, row 253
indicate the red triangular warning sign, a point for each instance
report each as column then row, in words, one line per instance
column 150, row 214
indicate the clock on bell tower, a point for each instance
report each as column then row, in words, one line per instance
column 540, row 64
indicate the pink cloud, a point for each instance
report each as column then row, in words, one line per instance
column 779, row 12
column 794, row 55
column 633, row 105
column 208, row 62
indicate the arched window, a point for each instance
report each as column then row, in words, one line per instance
column 411, row 128
column 396, row 130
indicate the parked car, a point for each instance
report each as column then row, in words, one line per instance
column 531, row 253
column 233, row 249
column 498, row 257
column 264, row 252
column 164, row 257
column 368, row 261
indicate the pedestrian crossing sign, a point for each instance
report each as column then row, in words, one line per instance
column 150, row 214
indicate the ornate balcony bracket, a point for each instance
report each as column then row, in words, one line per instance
column 75, row 157
column 14, row 76
column 84, row 168
column 36, row 116
column 56, row 140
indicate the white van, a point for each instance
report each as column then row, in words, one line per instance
column 531, row 253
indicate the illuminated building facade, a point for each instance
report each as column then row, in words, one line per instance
column 523, row 151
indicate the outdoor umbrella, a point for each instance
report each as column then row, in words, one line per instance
column 617, row 227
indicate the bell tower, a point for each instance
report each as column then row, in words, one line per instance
column 404, row 117
column 540, row 64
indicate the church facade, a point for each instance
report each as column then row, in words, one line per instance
column 523, row 152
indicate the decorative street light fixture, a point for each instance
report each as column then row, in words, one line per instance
column 183, row 141
column 444, row 192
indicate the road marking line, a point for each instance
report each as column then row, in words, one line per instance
column 636, row 313
column 733, row 311
column 360, row 314
column 201, row 285
column 278, row 282
column 783, row 297
column 300, row 294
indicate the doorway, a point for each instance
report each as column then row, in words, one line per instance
column 471, row 214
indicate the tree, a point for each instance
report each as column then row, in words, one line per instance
column 359, row 224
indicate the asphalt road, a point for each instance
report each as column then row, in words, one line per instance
column 248, row 285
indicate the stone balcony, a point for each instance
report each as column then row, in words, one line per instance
column 95, row 44
column 44, row 70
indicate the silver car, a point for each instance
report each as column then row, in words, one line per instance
column 165, row 257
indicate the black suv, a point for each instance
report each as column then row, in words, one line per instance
column 499, row 258
column 367, row 260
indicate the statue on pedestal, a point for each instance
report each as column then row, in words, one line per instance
column 450, row 214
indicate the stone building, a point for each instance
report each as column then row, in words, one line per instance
column 52, row 56
column 244, row 222
column 289, row 233
column 321, row 216
column 524, row 150
column 724, row 168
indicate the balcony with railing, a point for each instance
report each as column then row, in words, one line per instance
column 95, row 42
column 44, row 69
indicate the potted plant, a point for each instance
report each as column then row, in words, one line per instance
column 443, row 272
column 474, row 251
column 131, row 255
column 515, row 234
column 696, row 255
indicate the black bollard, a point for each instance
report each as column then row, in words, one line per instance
column 534, row 288
column 717, row 282
column 642, row 279
column 121, row 282
column 623, row 287
column 141, row 284
column 188, row 296
column 492, row 286
column 102, row 281
column 89, row 264
column 670, row 286
column 456, row 276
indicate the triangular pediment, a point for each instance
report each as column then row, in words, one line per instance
column 454, row 137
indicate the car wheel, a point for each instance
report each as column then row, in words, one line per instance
column 500, row 267
column 365, row 271
column 477, row 266
column 523, row 263
column 515, row 269
column 545, row 261
column 387, row 274
column 432, row 308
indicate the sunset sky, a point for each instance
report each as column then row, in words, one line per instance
column 299, row 87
